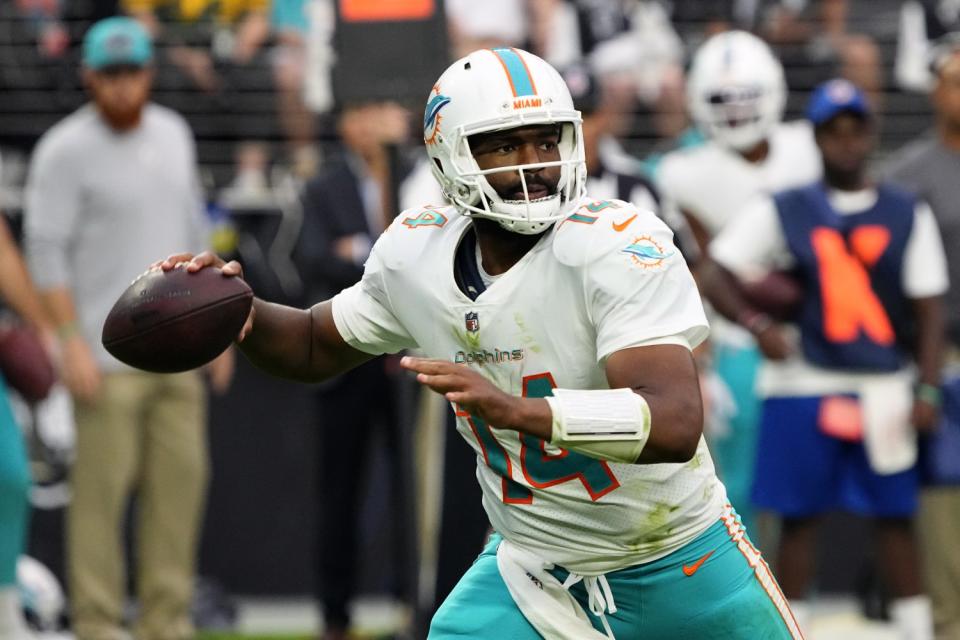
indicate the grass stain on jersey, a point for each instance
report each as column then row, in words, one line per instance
column 657, row 531
column 525, row 336
column 695, row 462
column 470, row 341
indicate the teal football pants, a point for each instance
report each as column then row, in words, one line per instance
column 715, row 587
column 14, row 492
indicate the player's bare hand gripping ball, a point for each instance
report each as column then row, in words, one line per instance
column 178, row 315
column 209, row 259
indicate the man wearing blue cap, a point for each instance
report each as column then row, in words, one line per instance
column 118, row 178
column 848, row 386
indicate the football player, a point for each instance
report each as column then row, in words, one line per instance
column 560, row 329
column 736, row 94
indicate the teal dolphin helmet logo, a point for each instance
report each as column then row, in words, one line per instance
column 431, row 116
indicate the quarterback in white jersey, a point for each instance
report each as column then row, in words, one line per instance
column 560, row 329
column 607, row 278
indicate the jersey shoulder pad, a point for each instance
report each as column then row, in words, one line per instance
column 413, row 231
column 602, row 228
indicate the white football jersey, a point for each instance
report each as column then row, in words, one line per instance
column 714, row 184
column 606, row 278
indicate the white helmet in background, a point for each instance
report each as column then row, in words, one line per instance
column 493, row 90
column 736, row 91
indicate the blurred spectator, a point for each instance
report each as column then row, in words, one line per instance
column 17, row 291
column 813, row 38
column 924, row 25
column 249, row 187
column 630, row 45
column 930, row 167
column 840, row 416
column 213, row 53
column 198, row 34
column 345, row 208
column 110, row 187
column 484, row 25
column 817, row 34
column 736, row 94
column 290, row 27
column 44, row 18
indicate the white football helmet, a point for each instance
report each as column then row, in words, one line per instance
column 499, row 89
column 736, row 91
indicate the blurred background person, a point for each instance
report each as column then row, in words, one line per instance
column 346, row 208
column 840, row 416
column 497, row 23
column 216, row 54
column 736, row 95
column 630, row 44
column 924, row 25
column 290, row 23
column 199, row 34
column 111, row 184
column 930, row 167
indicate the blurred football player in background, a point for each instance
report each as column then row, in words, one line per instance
column 118, row 177
column 839, row 420
column 736, row 95
column 560, row 328
column 17, row 292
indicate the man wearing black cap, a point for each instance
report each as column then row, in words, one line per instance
column 841, row 402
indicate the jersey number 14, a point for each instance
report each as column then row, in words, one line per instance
column 539, row 468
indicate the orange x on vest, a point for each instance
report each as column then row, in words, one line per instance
column 849, row 302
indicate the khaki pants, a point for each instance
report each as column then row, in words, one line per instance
column 939, row 524
column 145, row 434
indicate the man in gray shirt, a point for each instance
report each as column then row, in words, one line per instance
column 931, row 168
column 111, row 187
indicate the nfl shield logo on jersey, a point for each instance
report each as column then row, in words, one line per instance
column 472, row 322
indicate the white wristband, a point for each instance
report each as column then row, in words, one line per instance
column 611, row 424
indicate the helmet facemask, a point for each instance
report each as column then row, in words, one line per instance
column 494, row 91
column 740, row 116
column 472, row 192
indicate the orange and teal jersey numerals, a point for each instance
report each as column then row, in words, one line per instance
column 426, row 218
column 539, row 468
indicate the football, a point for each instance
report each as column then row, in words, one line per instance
column 778, row 293
column 173, row 321
column 24, row 362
